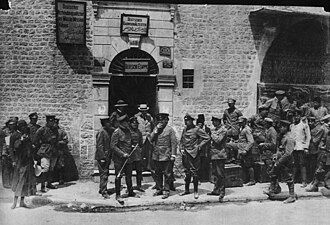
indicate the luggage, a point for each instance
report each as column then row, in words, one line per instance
column 233, row 175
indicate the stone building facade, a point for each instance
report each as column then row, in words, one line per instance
column 198, row 56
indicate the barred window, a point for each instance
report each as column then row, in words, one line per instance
column 188, row 78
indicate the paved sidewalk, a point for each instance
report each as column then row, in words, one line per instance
column 86, row 192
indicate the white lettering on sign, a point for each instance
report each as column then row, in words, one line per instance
column 134, row 24
column 71, row 22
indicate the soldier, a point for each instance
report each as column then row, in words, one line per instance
column 301, row 132
column 242, row 149
column 137, row 155
column 230, row 118
column 192, row 140
column 277, row 106
column 268, row 149
column 318, row 111
column 283, row 161
column 218, row 157
column 33, row 126
column 205, row 151
column 257, row 124
column 45, row 142
column 322, row 157
column 120, row 110
column 165, row 143
column 103, row 154
column 121, row 144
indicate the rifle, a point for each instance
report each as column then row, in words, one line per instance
column 121, row 169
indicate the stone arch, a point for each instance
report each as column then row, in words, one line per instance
column 117, row 65
column 296, row 56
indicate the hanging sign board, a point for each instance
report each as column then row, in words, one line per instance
column 136, row 66
column 134, row 24
column 71, row 22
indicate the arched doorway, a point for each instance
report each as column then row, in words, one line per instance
column 296, row 62
column 134, row 80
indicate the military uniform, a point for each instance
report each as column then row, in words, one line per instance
column 192, row 140
column 103, row 155
column 242, row 149
column 165, row 144
column 218, row 158
column 230, row 118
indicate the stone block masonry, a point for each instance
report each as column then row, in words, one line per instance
column 37, row 75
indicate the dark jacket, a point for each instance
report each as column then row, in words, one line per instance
column 121, row 143
column 218, row 143
column 137, row 139
column 165, row 144
column 103, row 150
column 193, row 140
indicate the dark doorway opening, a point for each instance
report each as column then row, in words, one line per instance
column 134, row 90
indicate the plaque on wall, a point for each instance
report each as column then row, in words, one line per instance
column 136, row 66
column 134, row 24
column 71, row 22
column 165, row 51
column 168, row 64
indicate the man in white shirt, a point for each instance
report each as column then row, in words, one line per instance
column 302, row 136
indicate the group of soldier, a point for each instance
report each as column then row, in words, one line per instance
column 32, row 154
column 284, row 136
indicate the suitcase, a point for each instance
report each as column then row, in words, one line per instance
column 260, row 172
column 233, row 175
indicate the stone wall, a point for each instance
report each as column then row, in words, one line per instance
column 37, row 75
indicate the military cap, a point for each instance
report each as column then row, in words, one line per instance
column 14, row 118
column 327, row 117
column 231, row 100
column 50, row 118
column 162, row 116
column 285, row 122
column 262, row 107
column 33, row 115
column 104, row 120
column 311, row 118
column 188, row 117
column 21, row 123
column 200, row 118
column 216, row 118
column 121, row 103
column 123, row 118
column 11, row 121
column 133, row 119
column 269, row 120
column 242, row 119
column 279, row 92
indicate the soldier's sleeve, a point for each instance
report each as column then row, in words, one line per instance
column 218, row 136
column 174, row 142
column 100, row 146
column 205, row 138
column 114, row 144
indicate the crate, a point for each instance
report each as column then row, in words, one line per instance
column 260, row 172
column 233, row 174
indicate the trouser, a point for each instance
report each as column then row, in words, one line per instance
column 163, row 174
column 191, row 167
column 321, row 165
column 137, row 165
column 104, row 173
column 218, row 171
column 299, row 164
column 128, row 176
column 267, row 158
column 283, row 167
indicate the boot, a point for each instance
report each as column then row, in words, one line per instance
column 251, row 175
column 303, row 176
column 277, row 188
column 166, row 195
column 186, row 189
column 119, row 200
column 292, row 197
column 138, row 184
column 43, row 187
column 22, row 203
column 14, row 203
column 196, row 189
column 314, row 186
column 50, row 186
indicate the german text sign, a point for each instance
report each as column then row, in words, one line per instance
column 136, row 66
column 71, row 22
column 134, row 24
